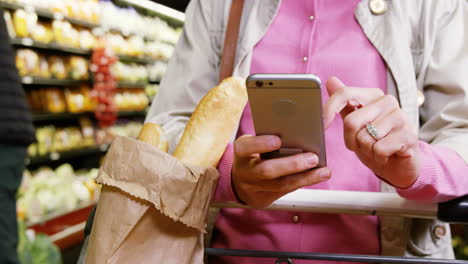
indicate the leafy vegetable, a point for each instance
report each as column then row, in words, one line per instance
column 36, row 249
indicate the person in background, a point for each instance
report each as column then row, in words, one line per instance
column 387, row 55
column 16, row 133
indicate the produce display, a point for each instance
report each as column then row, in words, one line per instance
column 124, row 72
column 46, row 191
column 104, row 87
column 123, row 128
column 152, row 28
column 136, row 46
column 32, row 63
column 46, row 44
column 80, row 99
column 25, row 24
column 159, row 50
column 36, row 248
column 58, row 100
column 151, row 91
column 87, row 10
column 131, row 99
column 58, row 139
column 156, row 70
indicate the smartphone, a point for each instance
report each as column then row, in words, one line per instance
column 289, row 106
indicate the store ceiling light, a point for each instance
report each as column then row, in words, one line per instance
column 158, row 8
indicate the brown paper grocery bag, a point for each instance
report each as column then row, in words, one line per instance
column 152, row 207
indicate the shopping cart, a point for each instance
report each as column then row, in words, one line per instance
column 347, row 202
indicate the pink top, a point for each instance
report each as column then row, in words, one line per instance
column 323, row 37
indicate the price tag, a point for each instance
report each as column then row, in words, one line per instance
column 27, row 42
column 27, row 80
column 103, row 147
column 54, row 156
column 58, row 16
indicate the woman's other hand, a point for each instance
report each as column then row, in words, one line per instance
column 394, row 154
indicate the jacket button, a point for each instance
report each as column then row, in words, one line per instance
column 284, row 261
column 439, row 231
column 421, row 98
column 378, row 7
column 295, row 219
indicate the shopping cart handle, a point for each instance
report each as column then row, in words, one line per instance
column 454, row 211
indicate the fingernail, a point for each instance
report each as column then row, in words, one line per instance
column 312, row 159
column 324, row 174
column 275, row 142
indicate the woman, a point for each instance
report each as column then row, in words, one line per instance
column 403, row 48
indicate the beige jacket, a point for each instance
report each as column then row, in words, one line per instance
column 423, row 42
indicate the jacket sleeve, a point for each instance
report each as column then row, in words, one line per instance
column 444, row 115
column 191, row 73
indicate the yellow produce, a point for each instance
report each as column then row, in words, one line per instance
column 43, row 33
column 19, row 21
column 27, row 62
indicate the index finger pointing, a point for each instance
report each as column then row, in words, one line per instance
column 344, row 99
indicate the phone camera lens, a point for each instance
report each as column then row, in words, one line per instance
column 259, row 83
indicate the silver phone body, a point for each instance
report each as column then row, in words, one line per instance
column 289, row 106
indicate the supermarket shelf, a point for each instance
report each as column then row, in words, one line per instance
column 66, row 155
column 28, row 42
column 70, row 236
column 65, row 229
column 132, row 84
column 134, row 59
column 126, row 34
column 56, row 116
column 171, row 15
column 47, row 14
column 41, row 117
column 132, row 113
column 30, row 80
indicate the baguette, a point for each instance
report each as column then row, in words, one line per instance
column 154, row 135
column 212, row 124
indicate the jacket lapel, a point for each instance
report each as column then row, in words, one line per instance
column 387, row 37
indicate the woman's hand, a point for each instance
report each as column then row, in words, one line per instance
column 394, row 156
column 258, row 182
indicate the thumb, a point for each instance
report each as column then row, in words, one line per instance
column 333, row 84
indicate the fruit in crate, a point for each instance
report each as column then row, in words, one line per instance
column 53, row 191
